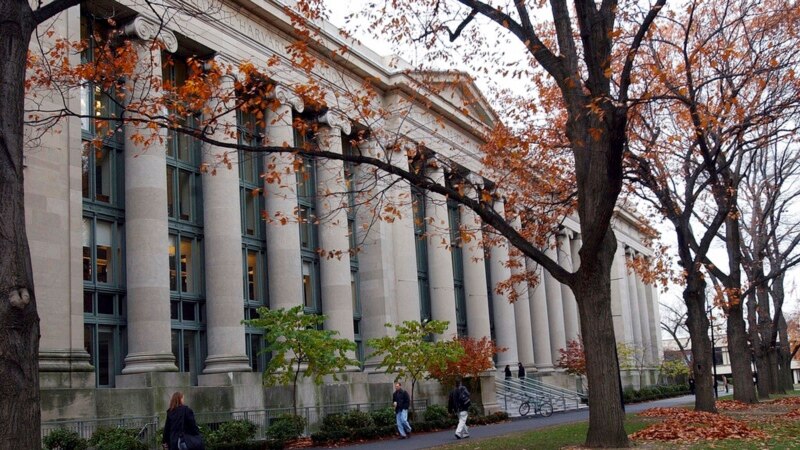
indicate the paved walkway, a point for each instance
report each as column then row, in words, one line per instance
column 434, row 439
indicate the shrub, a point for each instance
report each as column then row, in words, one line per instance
column 64, row 439
column 286, row 427
column 383, row 417
column 435, row 412
column 116, row 439
column 230, row 432
column 333, row 422
column 356, row 420
column 475, row 410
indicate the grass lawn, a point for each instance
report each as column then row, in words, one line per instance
column 784, row 434
column 554, row 437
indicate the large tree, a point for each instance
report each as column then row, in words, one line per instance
column 723, row 89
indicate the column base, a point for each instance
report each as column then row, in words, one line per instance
column 149, row 362
column 227, row 363
column 66, row 360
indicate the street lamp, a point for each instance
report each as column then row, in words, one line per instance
column 713, row 350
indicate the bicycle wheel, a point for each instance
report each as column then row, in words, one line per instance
column 524, row 409
column 546, row 409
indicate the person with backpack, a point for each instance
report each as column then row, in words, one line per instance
column 459, row 403
column 180, row 430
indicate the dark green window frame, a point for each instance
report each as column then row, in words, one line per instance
column 254, row 246
column 423, row 279
column 309, row 238
column 457, row 255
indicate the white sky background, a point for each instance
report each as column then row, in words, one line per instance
column 340, row 9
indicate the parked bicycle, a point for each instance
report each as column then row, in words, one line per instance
column 541, row 405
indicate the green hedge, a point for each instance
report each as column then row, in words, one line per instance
column 329, row 434
column 654, row 393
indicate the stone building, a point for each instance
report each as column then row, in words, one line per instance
column 145, row 267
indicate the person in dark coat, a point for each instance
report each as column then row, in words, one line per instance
column 508, row 372
column 181, row 425
column 521, row 371
column 458, row 403
column 401, row 402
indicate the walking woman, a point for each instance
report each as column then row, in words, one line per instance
column 181, row 431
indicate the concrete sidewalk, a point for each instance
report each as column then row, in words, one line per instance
column 434, row 439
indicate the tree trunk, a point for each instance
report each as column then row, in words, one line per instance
column 702, row 351
column 755, row 332
column 593, row 292
column 740, row 356
column 20, row 418
column 785, row 356
column 774, row 372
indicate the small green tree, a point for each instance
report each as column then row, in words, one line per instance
column 411, row 352
column 297, row 340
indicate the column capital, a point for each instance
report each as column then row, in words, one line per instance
column 146, row 30
column 335, row 119
column 285, row 96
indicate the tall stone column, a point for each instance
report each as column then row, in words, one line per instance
column 475, row 275
column 620, row 302
column 633, row 295
column 284, row 269
column 381, row 272
column 440, row 261
column 337, row 294
column 223, row 245
column 540, row 322
column 522, row 311
column 405, row 255
column 146, row 226
column 571, row 325
column 645, row 305
column 555, row 309
column 504, row 321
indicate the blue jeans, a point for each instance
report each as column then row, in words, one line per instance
column 402, row 422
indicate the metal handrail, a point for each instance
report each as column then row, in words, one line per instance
column 525, row 389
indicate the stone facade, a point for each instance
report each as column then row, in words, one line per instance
column 141, row 289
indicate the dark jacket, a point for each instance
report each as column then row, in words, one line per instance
column 459, row 400
column 402, row 399
column 521, row 371
column 508, row 373
column 180, row 422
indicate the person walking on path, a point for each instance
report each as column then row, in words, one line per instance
column 521, row 371
column 401, row 402
column 691, row 385
column 180, row 430
column 508, row 372
column 459, row 403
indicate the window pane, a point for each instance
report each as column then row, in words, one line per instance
column 105, row 357
column 189, row 352
column 85, row 161
column 86, row 98
column 170, row 191
column 87, row 249
column 185, row 187
column 88, row 302
column 173, row 310
column 354, row 293
column 308, row 293
column 187, row 267
column 252, row 289
column 176, row 345
column 88, row 341
column 248, row 167
column 250, row 202
column 173, row 276
column 105, row 304
column 104, row 252
column 305, row 229
column 189, row 314
column 255, row 349
column 102, row 175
